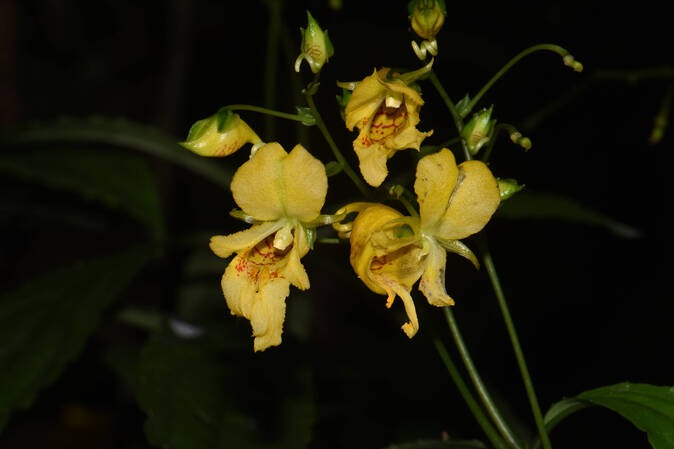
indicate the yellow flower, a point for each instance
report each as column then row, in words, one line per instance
column 282, row 194
column 385, row 109
column 390, row 252
column 220, row 135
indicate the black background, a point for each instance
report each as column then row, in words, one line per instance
column 591, row 308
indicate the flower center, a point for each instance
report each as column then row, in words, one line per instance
column 387, row 121
column 264, row 261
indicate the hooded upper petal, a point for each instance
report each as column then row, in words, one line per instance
column 386, row 112
column 387, row 258
column 274, row 184
column 454, row 201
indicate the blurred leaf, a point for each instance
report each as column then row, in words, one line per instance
column 530, row 205
column 440, row 444
column 197, row 396
column 649, row 407
column 121, row 133
column 45, row 324
column 115, row 178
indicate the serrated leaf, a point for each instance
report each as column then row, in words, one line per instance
column 184, row 389
column 45, row 324
column 535, row 205
column 192, row 391
column 120, row 133
column 114, row 178
column 649, row 407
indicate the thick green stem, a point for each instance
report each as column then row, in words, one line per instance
column 474, row 407
column 482, row 392
column 488, row 263
column 333, row 146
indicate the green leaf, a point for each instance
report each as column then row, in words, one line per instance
column 45, row 324
column 440, row 444
column 117, row 179
column 200, row 393
column 120, row 133
column 530, row 205
column 184, row 387
column 649, row 407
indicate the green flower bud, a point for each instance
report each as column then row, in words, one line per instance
column 219, row 135
column 316, row 47
column 478, row 131
column 508, row 187
column 427, row 17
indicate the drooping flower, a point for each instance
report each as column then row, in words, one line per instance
column 220, row 135
column 390, row 252
column 385, row 109
column 282, row 194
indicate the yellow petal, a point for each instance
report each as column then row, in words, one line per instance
column 436, row 178
column 274, row 184
column 365, row 100
column 372, row 162
column 454, row 201
column 206, row 140
column 432, row 283
column 472, row 204
column 264, row 305
column 224, row 245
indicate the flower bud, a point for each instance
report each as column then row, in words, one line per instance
column 427, row 17
column 316, row 47
column 219, row 135
column 508, row 187
column 478, row 130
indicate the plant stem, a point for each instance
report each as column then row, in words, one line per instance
column 568, row 60
column 333, row 146
column 482, row 392
column 260, row 109
column 474, row 407
column 514, row 340
column 458, row 120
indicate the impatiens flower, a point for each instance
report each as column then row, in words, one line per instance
column 390, row 252
column 220, row 135
column 385, row 109
column 427, row 17
column 282, row 194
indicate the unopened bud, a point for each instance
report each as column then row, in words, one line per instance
column 219, row 135
column 427, row 17
column 478, row 130
column 508, row 187
column 316, row 47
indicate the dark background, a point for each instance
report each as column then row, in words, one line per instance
column 592, row 308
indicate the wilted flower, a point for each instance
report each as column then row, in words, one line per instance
column 282, row 194
column 219, row 135
column 385, row 109
column 390, row 252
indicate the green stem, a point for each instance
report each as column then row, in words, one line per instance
column 260, row 109
column 458, row 120
column 514, row 340
column 482, row 392
column 568, row 60
column 474, row 407
column 271, row 59
column 333, row 146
